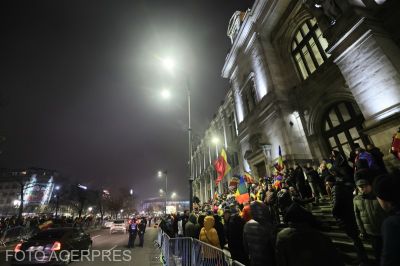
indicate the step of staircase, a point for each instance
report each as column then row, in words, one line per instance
column 323, row 213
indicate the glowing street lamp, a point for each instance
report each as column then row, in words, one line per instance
column 160, row 174
column 173, row 195
column 166, row 94
column 90, row 209
column 168, row 63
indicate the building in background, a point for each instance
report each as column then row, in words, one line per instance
column 157, row 205
column 222, row 133
column 36, row 184
column 309, row 76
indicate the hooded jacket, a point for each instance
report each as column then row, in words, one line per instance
column 208, row 234
column 190, row 227
column 258, row 236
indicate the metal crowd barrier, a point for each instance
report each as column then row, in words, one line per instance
column 14, row 234
column 186, row 251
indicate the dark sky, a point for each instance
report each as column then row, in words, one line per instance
column 80, row 83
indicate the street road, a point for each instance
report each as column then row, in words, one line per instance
column 116, row 245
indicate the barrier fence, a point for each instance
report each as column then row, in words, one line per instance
column 187, row 251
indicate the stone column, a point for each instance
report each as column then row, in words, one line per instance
column 370, row 62
column 259, row 67
column 212, row 185
column 237, row 97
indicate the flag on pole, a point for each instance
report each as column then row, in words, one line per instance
column 395, row 149
column 248, row 178
column 242, row 195
column 279, row 166
column 221, row 166
column 215, row 195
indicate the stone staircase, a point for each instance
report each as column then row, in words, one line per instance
column 344, row 244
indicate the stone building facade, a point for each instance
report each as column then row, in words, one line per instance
column 312, row 76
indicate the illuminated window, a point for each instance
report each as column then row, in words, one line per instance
column 308, row 48
column 342, row 126
column 249, row 94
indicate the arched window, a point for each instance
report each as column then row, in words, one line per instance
column 308, row 48
column 342, row 126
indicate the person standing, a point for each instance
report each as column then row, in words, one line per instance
column 258, row 236
column 387, row 193
column 314, row 182
column 301, row 182
column 235, row 236
column 191, row 226
column 343, row 211
column 133, row 230
column 369, row 214
column 141, row 231
column 302, row 244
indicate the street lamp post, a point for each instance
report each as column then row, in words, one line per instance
column 57, row 198
column 131, row 192
column 160, row 174
column 169, row 65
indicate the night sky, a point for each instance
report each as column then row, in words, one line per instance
column 81, row 80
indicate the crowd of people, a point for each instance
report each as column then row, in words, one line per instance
column 276, row 226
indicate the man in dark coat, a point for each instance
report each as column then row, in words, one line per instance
column 133, row 230
column 387, row 193
column 314, row 182
column 258, row 236
column 235, row 237
column 220, row 230
column 141, row 231
column 191, row 227
column 301, row 244
column 301, row 185
column 343, row 211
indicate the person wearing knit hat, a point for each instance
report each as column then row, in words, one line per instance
column 387, row 192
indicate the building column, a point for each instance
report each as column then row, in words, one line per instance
column 201, row 190
column 212, row 186
column 369, row 60
column 205, row 190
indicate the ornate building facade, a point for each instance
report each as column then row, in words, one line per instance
column 310, row 76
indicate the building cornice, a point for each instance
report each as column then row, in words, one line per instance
column 245, row 33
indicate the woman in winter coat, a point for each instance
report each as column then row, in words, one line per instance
column 208, row 234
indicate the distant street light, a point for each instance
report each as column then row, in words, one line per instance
column 160, row 175
column 173, row 195
column 166, row 94
column 90, row 209
column 215, row 140
column 57, row 198
column 82, row 187
column 169, row 64
column 131, row 191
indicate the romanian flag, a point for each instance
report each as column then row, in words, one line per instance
column 395, row 149
column 242, row 195
column 279, row 166
column 249, row 178
column 46, row 225
column 215, row 195
column 221, row 166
